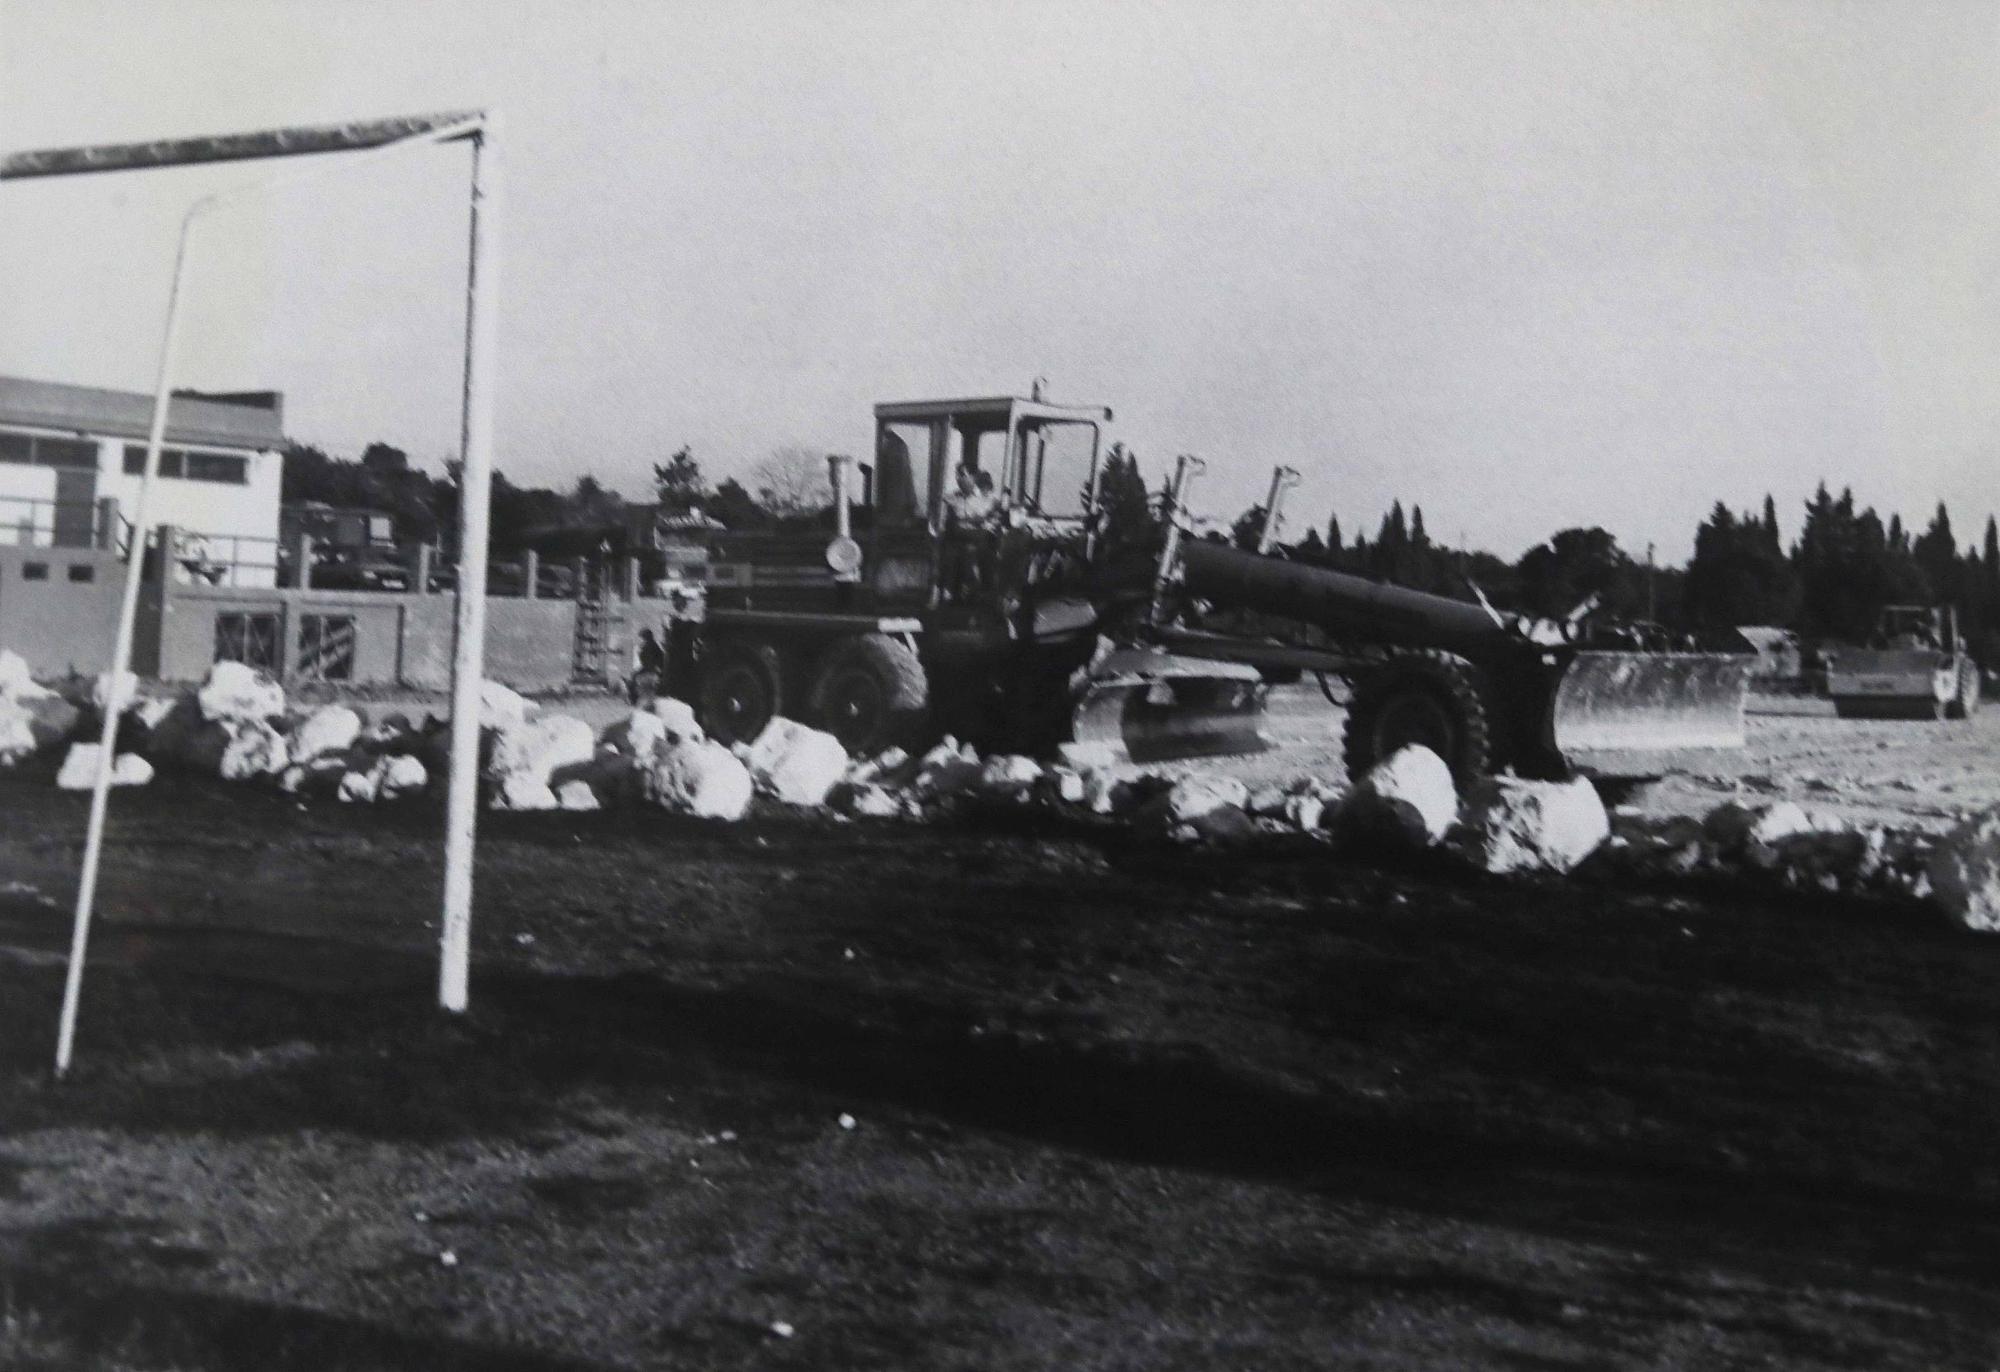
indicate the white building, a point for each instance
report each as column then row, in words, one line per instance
column 70, row 458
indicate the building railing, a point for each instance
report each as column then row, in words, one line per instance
column 30, row 522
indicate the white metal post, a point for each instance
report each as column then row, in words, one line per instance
column 379, row 138
column 474, row 502
column 121, row 659
column 1282, row 479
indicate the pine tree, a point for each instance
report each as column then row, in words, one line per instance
column 1417, row 538
column 1333, row 544
column 1937, row 553
column 679, row 483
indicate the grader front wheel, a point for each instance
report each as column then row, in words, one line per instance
column 1428, row 699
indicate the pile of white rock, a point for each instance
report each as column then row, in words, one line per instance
column 237, row 726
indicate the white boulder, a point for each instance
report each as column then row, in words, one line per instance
column 100, row 691
column 795, row 763
column 399, row 776
column 637, row 735
column 150, row 711
column 867, row 800
column 329, row 729
column 360, row 788
column 679, row 717
column 1964, row 872
column 700, row 778
column 521, row 791
column 79, row 769
column 32, row 722
column 1100, row 790
column 17, row 733
column 1063, row 785
column 15, row 678
column 1735, row 828
column 1203, row 793
column 321, row 776
column 502, row 708
column 880, row 769
column 1511, row 825
column 233, row 692
column 255, row 749
column 1009, row 776
column 1408, row 797
column 1083, row 757
column 949, row 769
column 577, row 795
column 539, row 748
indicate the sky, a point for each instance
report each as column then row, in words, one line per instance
column 1526, row 265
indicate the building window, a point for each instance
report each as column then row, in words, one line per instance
column 326, row 647
column 233, row 471
column 171, row 461
column 41, row 450
column 251, row 639
column 34, row 571
column 184, row 465
column 65, row 452
column 82, row 571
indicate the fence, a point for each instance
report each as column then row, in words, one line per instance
column 237, row 598
column 31, row 522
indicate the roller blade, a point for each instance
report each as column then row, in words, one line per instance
column 1149, row 706
column 1638, row 715
column 1889, row 707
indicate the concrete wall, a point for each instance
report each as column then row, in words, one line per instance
column 530, row 644
column 187, row 628
column 60, row 624
column 399, row 639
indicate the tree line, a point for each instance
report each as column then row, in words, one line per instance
column 790, row 481
column 1829, row 585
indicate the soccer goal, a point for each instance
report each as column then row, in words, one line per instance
column 365, row 142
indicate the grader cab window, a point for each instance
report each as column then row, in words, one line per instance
column 1055, row 466
column 905, row 454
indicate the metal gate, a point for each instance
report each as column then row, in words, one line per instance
column 592, row 650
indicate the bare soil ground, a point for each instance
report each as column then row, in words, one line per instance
column 1115, row 1105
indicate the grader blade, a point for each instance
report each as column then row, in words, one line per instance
column 1642, row 714
column 1150, row 706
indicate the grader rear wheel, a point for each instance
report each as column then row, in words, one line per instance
column 1967, row 702
column 741, row 691
column 870, row 693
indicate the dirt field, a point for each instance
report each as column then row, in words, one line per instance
column 1113, row 1105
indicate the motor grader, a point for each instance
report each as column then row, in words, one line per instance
column 920, row 605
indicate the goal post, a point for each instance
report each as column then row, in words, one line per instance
column 370, row 139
